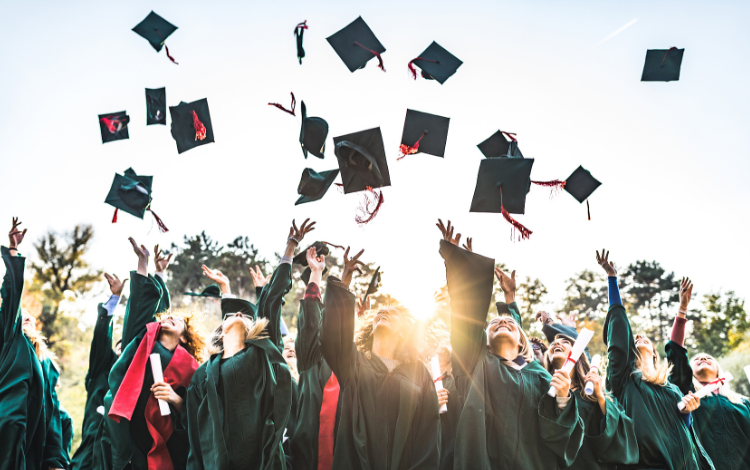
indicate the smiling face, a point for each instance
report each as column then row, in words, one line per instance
column 558, row 351
column 173, row 325
column 503, row 329
column 705, row 367
column 644, row 346
column 289, row 351
column 387, row 321
column 28, row 320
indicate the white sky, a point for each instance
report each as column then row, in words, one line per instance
column 673, row 157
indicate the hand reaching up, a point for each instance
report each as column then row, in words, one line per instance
column 115, row 284
column 350, row 265
column 218, row 277
column 567, row 319
column 448, row 232
column 160, row 261
column 142, row 253
column 507, row 284
column 258, row 278
column 297, row 234
column 686, row 292
column 605, row 263
column 15, row 236
column 467, row 245
column 543, row 317
column 316, row 263
column 362, row 308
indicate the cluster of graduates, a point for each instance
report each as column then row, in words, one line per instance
column 354, row 390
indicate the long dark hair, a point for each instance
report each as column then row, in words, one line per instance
column 580, row 370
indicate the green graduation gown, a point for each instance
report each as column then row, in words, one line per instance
column 722, row 427
column 101, row 359
column 237, row 408
column 507, row 421
column 22, row 421
column 664, row 438
column 67, row 430
column 389, row 420
column 55, row 455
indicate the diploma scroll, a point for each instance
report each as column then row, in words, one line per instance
column 437, row 377
column 584, row 337
column 159, row 377
column 596, row 361
column 710, row 387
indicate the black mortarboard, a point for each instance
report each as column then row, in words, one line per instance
column 299, row 32
column 580, row 184
column 211, row 291
column 114, row 126
column 513, row 175
column 235, row 305
column 373, row 286
column 362, row 161
column 356, row 44
column 662, row 65
column 436, row 63
column 313, row 185
column 321, row 249
column 155, row 30
column 313, row 134
column 424, row 133
column 156, row 106
column 130, row 193
column 191, row 124
column 497, row 146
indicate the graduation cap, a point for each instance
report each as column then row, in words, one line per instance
column 211, row 291
column 425, row 133
column 321, row 249
column 497, row 146
column 156, row 30
column 114, row 126
column 580, row 184
column 436, row 63
column 313, row 134
column 373, row 286
column 132, row 193
column 191, row 124
column 156, row 105
column 299, row 31
column 502, row 185
column 314, row 185
column 236, row 305
column 662, row 65
column 356, row 44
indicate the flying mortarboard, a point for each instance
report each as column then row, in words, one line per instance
column 436, row 63
column 313, row 185
column 497, row 146
column 502, row 185
column 425, row 133
column 299, row 31
column 373, row 286
column 356, row 44
column 132, row 193
column 580, row 184
column 321, row 249
column 156, row 30
column 156, row 105
column 191, row 124
column 236, row 305
column 212, row 291
column 662, row 65
column 313, row 134
column 114, row 126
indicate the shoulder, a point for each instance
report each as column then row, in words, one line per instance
column 536, row 368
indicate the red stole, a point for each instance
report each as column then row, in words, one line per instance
column 328, row 423
column 178, row 373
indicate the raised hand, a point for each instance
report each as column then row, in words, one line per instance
column 605, row 263
column 258, row 278
column 686, row 292
column 350, row 265
column 219, row 278
column 467, row 245
column 362, row 308
column 507, row 284
column 543, row 317
column 567, row 319
column 142, row 254
column 316, row 263
column 297, row 234
column 160, row 261
column 448, row 232
column 115, row 284
column 15, row 236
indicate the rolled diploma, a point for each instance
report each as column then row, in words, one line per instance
column 708, row 389
column 596, row 361
column 435, row 365
column 747, row 372
column 159, row 377
column 584, row 337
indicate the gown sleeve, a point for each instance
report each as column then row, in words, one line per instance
column 11, row 290
column 195, row 396
column 612, row 436
column 143, row 304
column 165, row 301
column 271, row 301
column 337, row 330
column 515, row 312
column 620, row 348
column 307, row 344
column 681, row 374
column 54, row 455
column 427, row 437
column 561, row 430
column 101, row 355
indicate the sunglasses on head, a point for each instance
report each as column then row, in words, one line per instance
column 246, row 315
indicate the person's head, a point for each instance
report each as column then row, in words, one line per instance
column 37, row 339
column 183, row 328
column 504, row 331
column 28, row 320
column 290, row 356
column 247, row 328
column 539, row 347
column 644, row 346
column 649, row 363
column 396, row 322
column 556, row 356
column 705, row 368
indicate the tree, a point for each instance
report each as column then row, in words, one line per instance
column 529, row 295
column 650, row 290
column 586, row 296
column 721, row 327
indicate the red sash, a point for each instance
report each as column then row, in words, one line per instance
column 178, row 373
column 328, row 423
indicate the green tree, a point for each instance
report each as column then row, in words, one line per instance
column 651, row 292
column 720, row 327
column 586, row 296
column 528, row 295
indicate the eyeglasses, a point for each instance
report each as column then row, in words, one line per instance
column 172, row 317
column 536, row 347
column 231, row 315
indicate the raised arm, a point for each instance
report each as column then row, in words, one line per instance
column 337, row 327
column 145, row 296
column 101, row 355
column 259, row 280
column 55, row 456
column 508, row 285
column 307, row 343
column 681, row 373
column 161, row 263
column 12, row 288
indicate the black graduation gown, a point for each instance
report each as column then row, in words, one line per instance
column 449, row 423
column 55, row 455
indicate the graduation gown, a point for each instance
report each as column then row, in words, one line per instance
column 722, row 427
column 663, row 435
column 67, row 430
column 508, row 421
column 238, row 408
column 23, row 425
column 449, row 423
column 314, row 375
column 389, row 420
column 55, row 455
column 101, row 359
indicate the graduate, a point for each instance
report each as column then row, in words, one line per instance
column 609, row 434
column 638, row 379
column 389, row 408
column 508, row 420
column 101, row 359
column 239, row 401
column 290, row 356
column 139, row 435
column 722, row 423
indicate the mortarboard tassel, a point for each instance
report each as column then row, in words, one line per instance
column 162, row 228
column 409, row 150
column 299, row 32
column 414, row 71
column 667, row 53
column 200, row 129
column 114, row 218
column 294, row 106
column 366, row 212
column 166, row 48
column 376, row 54
column 588, row 209
column 524, row 232
column 114, row 125
column 335, row 246
column 555, row 186
column 511, row 135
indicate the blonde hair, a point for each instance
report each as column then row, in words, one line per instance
column 524, row 345
column 39, row 342
column 256, row 330
column 195, row 342
column 724, row 390
column 659, row 374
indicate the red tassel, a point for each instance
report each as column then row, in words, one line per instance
column 376, row 54
column 200, row 129
column 165, row 47
column 294, row 106
column 300, row 26
column 555, row 186
column 367, row 212
column 340, row 187
column 665, row 55
column 413, row 70
column 524, row 232
column 114, row 218
column 588, row 209
column 511, row 135
column 409, row 150
column 113, row 125
column 162, row 228
column 335, row 246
